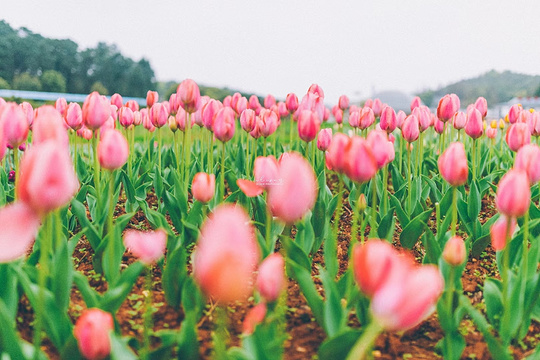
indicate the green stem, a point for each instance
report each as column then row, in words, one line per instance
column 385, row 190
column 247, row 155
column 409, row 197
column 148, row 325
column 474, row 160
column 97, row 170
column 187, row 149
column 450, row 307
column 112, row 203
column 159, row 148
column 264, row 147
column 365, row 342
column 222, row 184
column 268, row 229
column 401, row 142
column 454, row 210
column 373, row 204
column 291, row 126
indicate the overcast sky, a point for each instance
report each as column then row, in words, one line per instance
column 349, row 47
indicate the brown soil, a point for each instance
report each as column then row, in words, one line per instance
column 304, row 334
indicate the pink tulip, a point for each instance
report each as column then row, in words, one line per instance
column 116, row 99
column 400, row 117
column 254, row 317
column 481, row 105
column 502, row 231
column 388, row 119
column 513, row 194
column 148, row 247
column 316, row 89
column 3, row 147
column 438, row 125
column 459, row 120
column 518, row 135
column 266, row 172
column 308, row 125
column 404, row 301
column 528, row 159
column 85, row 133
column 324, row 139
column 268, row 122
column 152, row 97
column 49, row 125
column 534, row 124
column 125, row 117
column 242, row 105
column 360, row 163
column 374, row 263
column 96, row 110
column 73, row 116
column 367, row 118
column 377, row 107
column 28, row 111
column 61, row 106
column 248, row 119
column 290, row 200
column 335, row 157
column 92, row 333
column 291, row 102
column 354, row 118
column 282, row 109
column 454, row 252
column 113, row 150
column 474, row 126
column 234, row 100
column 224, row 124
column 133, row 105
column 19, row 225
column 513, row 113
column 226, row 254
column 271, row 279
column 189, row 95
column 410, row 129
column 158, row 115
column 13, row 124
column 491, row 133
column 254, row 104
column 453, row 164
column 343, row 102
column 416, row 102
column 203, row 187
column 381, row 148
column 269, row 101
column 423, row 115
column 208, row 113
column 448, row 106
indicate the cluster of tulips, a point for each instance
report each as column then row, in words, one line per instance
column 238, row 228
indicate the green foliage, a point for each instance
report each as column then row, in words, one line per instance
column 25, row 81
column 100, row 88
column 53, row 81
column 495, row 86
column 4, row 84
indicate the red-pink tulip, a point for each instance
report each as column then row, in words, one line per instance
column 113, row 150
column 292, row 102
column 13, row 124
column 453, row 164
column 448, row 106
column 19, row 225
column 92, row 333
column 438, row 125
column 416, row 102
column 388, row 119
column 148, row 246
column 96, row 110
column 513, row 194
column 474, row 126
column 513, row 113
column 133, row 105
column 158, row 115
column 360, row 164
column 324, row 139
column 404, row 301
column 125, row 117
column 152, row 97
column 189, row 95
column 271, row 279
column 423, row 115
column 203, row 187
column 367, row 118
column 224, row 124
column 296, row 194
column 502, row 231
column 343, row 102
column 73, row 116
column 226, row 254
column 49, row 125
column 454, row 252
column 517, row 136
column 308, row 125
column 316, row 89
column 254, row 317
column 400, row 117
column 335, row 157
column 528, row 159
column 410, row 129
column 254, row 104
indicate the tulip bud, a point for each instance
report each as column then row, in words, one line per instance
column 148, row 247
column 291, row 102
column 247, row 120
column 362, row 203
column 113, row 150
column 158, row 115
column 360, row 164
column 343, row 102
column 474, row 127
column 96, row 110
column 133, row 105
column 459, row 120
column 224, row 124
column 513, row 193
column 48, row 125
column 125, row 117
column 308, row 125
column 481, row 105
column 189, row 95
column 448, row 106
column 92, row 333
column 173, row 125
column 513, row 113
column 268, row 122
column 324, row 139
column 73, row 116
column 367, row 118
column 271, row 278
column 61, row 106
column 528, row 159
column 454, row 252
column 381, row 148
column 518, row 135
column 502, row 231
column 416, row 102
column 28, row 111
column 254, row 317
column 13, row 124
column 151, row 98
column 388, row 119
column 453, row 164
column 203, row 187
column 410, row 129
column 335, row 157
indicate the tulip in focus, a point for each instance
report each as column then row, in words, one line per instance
column 226, row 254
column 459, row 120
column 308, row 125
column 291, row 102
column 454, row 252
column 410, row 129
column 388, row 119
column 271, row 279
column 203, row 187
column 189, row 95
column 513, row 113
column 148, row 247
column 73, row 117
column 151, row 98
column 247, row 120
column 448, row 106
column 474, row 126
column 113, row 150
column 453, row 164
column 96, row 110
column 324, row 139
column 513, row 194
column 224, row 124
column 92, row 333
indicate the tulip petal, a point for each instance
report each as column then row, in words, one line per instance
column 249, row 188
column 19, row 226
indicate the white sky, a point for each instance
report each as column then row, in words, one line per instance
column 281, row 46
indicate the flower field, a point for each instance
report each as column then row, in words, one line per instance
column 195, row 228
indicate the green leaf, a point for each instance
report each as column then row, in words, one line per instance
column 114, row 297
column 119, row 349
column 188, row 344
column 339, row 346
column 400, row 213
column 295, row 253
column 62, row 274
column 90, row 296
column 410, row 234
column 174, row 275
column 9, row 341
column 433, row 249
column 493, row 299
column 307, row 286
column 334, row 319
column 474, row 201
column 88, row 228
column 386, row 226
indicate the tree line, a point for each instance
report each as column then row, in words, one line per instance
column 29, row 61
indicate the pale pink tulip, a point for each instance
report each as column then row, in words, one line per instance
column 459, row 120
column 92, row 333
column 125, row 117
column 448, row 106
column 269, row 101
column 158, row 115
column 513, row 113
column 148, row 247
column 291, row 102
column 400, row 117
column 528, row 159
column 360, row 163
column 518, row 135
column 367, row 118
column 309, row 124
column 381, row 148
column 343, row 102
column 113, row 150
column 208, row 113
column 254, row 317
column 416, row 102
column 226, row 254
column 453, row 164
column 189, row 95
column 96, row 110
column 377, row 107
column 324, row 139
column 254, row 104
column 454, row 252
column 133, row 105
column 354, row 118
column 513, row 193
column 271, row 279
column 203, row 187
column 482, row 106
column 29, row 112
column 268, row 122
column 474, row 126
column 13, row 124
column 19, row 224
column 248, row 119
column 316, row 89
column 410, row 129
column 224, row 124
column 61, row 106
column 266, row 172
column 73, row 116
column 335, row 157
column 388, row 119
column 502, row 231
column 49, row 125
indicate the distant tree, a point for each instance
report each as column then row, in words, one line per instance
column 25, row 81
column 4, row 84
column 53, row 81
column 100, row 88
column 537, row 92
